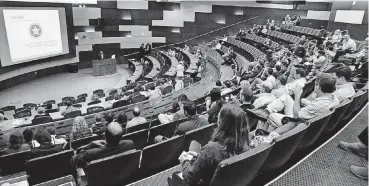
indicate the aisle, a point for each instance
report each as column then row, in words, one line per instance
column 60, row 85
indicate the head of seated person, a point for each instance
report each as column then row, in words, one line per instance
column 181, row 98
column 137, row 89
column 282, row 80
column 116, row 96
column 28, row 136
column 16, row 143
column 68, row 104
column 113, row 134
column 41, row 111
column 49, row 106
column 228, row 84
column 233, row 127
column 266, row 87
column 246, row 95
column 109, row 117
column 43, row 137
column 343, row 75
column 175, row 107
column 218, row 83
column 189, row 108
column 122, row 119
column 94, row 97
column 215, row 95
column 325, row 84
column 300, row 73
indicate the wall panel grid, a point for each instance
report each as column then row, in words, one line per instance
column 83, row 12
column 133, row 28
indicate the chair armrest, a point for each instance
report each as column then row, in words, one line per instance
column 81, row 177
column 177, row 180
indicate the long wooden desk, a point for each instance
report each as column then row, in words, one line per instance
column 174, row 63
column 104, row 67
column 138, row 69
column 192, row 68
column 155, row 66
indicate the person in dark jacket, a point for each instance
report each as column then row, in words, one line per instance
column 229, row 139
column 16, row 144
column 112, row 145
column 214, row 105
column 46, row 146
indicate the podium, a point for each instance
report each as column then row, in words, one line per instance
column 104, row 67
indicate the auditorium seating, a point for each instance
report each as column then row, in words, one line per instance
column 337, row 115
column 166, row 130
column 75, row 144
column 13, row 163
column 95, row 109
column 116, row 169
column 354, row 104
column 73, row 114
column 63, row 181
column 22, row 113
column 201, row 135
column 41, row 120
column 139, row 138
column 138, row 127
column 49, row 167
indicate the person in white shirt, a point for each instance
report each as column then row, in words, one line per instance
column 137, row 119
column 178, row 84
column 337, row 36
column 349, row 45
column 320, row 61
column 180, row 69
column 299, row 81
column 54, row 140
column 228, row 88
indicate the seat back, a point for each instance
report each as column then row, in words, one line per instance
column 98, row 91
column 68, row 98
column 283, row 148
column 355, row 102
column 84, row 141
column 139, row 138
column 13, row 163
column 111, row 93
column 167, row 90
column 101, row 95
column 50, row 167
column 73, row 114
column 161, row 155
column 95, row 109
column 109, row 98
column 138, row 98
column 113, row 170
column 148, row 86
column 63, row 181
column 241, row 169
column 30, row 105
column 94, row 102
column 49, row 102
column 201, row 135
column 315, row 127
column 41, row 120
column 51, row 110
column 84, row 95
column 120, row 103
column 81, row 100
column 339, row 110
column 23, row 113
column 138, row 127
column 166, row 130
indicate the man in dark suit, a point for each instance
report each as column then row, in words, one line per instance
column 101, row 55
column 112, row 145
column 47, row 146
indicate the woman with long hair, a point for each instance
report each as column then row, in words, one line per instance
column 229, row 139
column 16, row 144
column 80, row 129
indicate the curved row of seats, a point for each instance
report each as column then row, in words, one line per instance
column 155, row 68
column 268, row 157
column 192, row 67
column 173, row 64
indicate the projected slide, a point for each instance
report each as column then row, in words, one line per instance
column 32, row 33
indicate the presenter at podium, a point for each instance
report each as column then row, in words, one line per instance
column 101, row 55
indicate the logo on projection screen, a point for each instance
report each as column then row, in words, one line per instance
column 35, row 30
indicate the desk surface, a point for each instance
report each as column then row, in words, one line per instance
column 193, row 60
column 173, row 68
column 138, row 71
column 155, row 65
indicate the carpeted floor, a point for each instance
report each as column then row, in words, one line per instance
column 330, row 165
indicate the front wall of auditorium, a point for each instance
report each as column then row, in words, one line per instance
column 119, row 27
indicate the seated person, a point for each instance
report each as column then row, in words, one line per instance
column 321, row 61
column 69, row 108
column 246, row 96
column 193, row 121
column 214, row 104
column 296, row 78
column 325, row 99
column 348, row 46
column 218, row 84
column 230, row 138
column 99, row 126
column 177, row 111
column 152, row 93
column 103, row 148
column 137, row 119
column 94, row 97
column 344, row 88
column 46, row 146
column 136, row 92
column 122, row 119
column 269, row 77
column 55, row 140
column 228, row 88
column 80, row 129
column 15, row 144
column 280, row 88
column 360, row 57
column 41, row 112
column 28, row 138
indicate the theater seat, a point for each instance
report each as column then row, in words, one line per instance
column 13, row 163
column 98, row 91
column 166, row 130
column 95, row 109
column 49, row 102
column 30, row 105
column 63, row 181
column 201, row 135
column 241, row 169
column 315, row 127
column 356, row 101
column 120, row 103
column 23, row 113
column 138, row 127
column 94, row 102
column 51, row 110
column 49, row 167
column 82, row 95
column 337, row 115
column 283, row 148
column 41, row 120
column 111, row 93
column 113, row 170
column 73, row 114
column 139, row 138
column 159, row 156
column 84, row 141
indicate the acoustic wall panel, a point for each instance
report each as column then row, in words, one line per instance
column 179, row 15
column 89, row 35
column 133, row 28
column 80, row 22
column 133, row 4
column 319, row 15
column 141, row 34
column 90, row 41
column 80, row 48
column 130, row 45
column 175, row 23
column 147, row 14
column 83, row 12
column 196, row 7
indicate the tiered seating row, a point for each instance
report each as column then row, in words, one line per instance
column 173, row 64
column 155, row 68
column 192, row 68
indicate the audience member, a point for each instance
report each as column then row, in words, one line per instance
column 180, row 69
column 16, row 144
column 214, row 104
column 230, row 138
column 122, row 119
column 103, row 148
column 55, row 140
column 137, row 119
column 99, row 126
column 69, row 108
column 94, row 98
column 228, row 88
column 147, row 48
column 337, row 36
column 41, row 112
column 179, row 85
column 321, row 61
column 46, row 146
column 28, row 138
column 348, row 46
column 177, row 111
column 218, row 84
column 80, row 129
